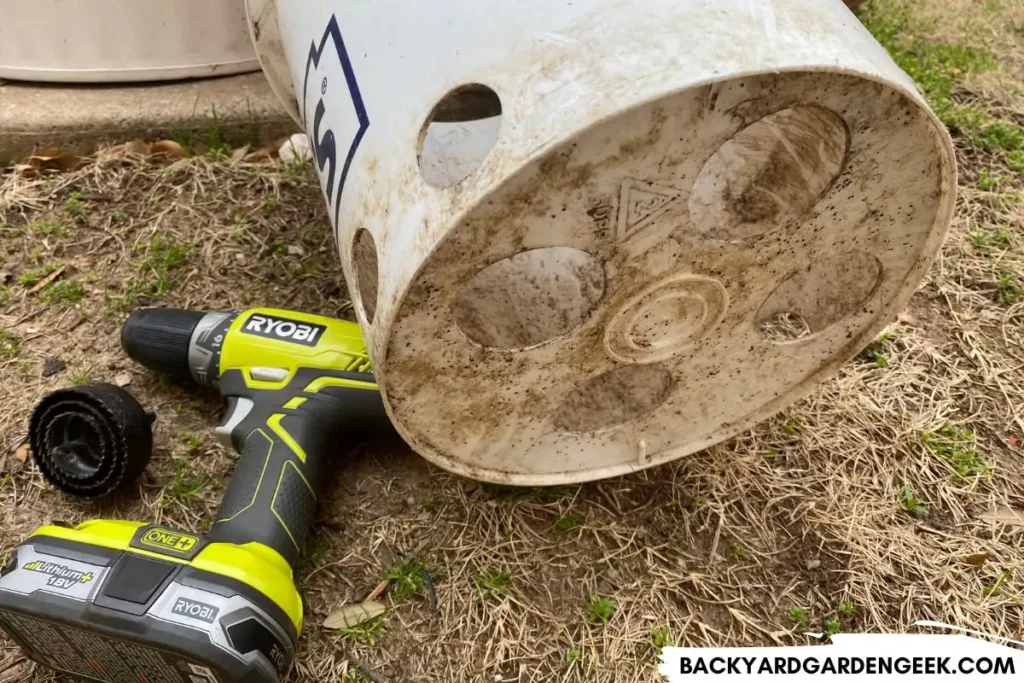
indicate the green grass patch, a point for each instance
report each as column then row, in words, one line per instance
column 879, row 351
column 5, row 295
column 185, row 485
column 567, row 522
column 958, row 449
column 80, row 377
column 63, row 292
column 909, row 502
column 49, row 228
column 800, row 616
column 600, row 610
column 407, row 578
column 660, row 637
column 8, row 345
column 937, row 68
column 1009, row 289
column 190, row 440
column 492, row 583
column 74, row 204
column 32, row 276
column 367, row 632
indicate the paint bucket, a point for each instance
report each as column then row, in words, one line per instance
column 111, row 41
column 587, row 238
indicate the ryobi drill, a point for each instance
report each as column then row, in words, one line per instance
column 131, row 602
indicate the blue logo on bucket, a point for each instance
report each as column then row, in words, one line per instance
column 338, row 121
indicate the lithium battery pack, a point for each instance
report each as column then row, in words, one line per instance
column 121, row 602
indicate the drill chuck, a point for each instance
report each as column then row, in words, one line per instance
column 159, row 339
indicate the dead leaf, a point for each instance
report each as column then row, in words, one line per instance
column 26, row 171
column 138, row 147
column 21, row 454
column 122, row 379
column 296, row 250
column 47, row 280
column 1012, row 442
column 348, row 616
column 908, row 319
column 53, row 160
column 169, row 149
column 261, row 154
column 977, row 559
column 1005, row 515
column 239, row 154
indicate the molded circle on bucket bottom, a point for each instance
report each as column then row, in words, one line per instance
column 529, row 298
column 613, row 398
column 772, row 171
column 676, row 297
column 666, row 319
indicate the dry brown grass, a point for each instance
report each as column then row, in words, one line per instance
column 807, row 510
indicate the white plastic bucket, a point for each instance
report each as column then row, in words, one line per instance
column 688, row 214
column 106, row 41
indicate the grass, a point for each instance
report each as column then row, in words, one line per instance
column 190, row 440
column 74, row 204
column 5, row 295
column 567, row 522
column 157, row 272
column 831, row 627
column 984, row 241
column 600, row 610
column 847, row 609
column 997, row 585
column 957, row 448
column 661, row 638
column 63, row 292
column 938, row 68
column 572, row 656
column 909, row 502
column 878, row 352
column 80, row 377
column 1009, row 289
column 185, row 485
column 49, row 228
column 989, row 180
column 33, row 276
column 492, row 583
column 801, row 616
column 368, row 632
column 407, row 578
column 8, row 344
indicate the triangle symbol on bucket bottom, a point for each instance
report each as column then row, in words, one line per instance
column 642, row 203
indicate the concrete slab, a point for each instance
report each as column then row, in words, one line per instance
column 80, row 118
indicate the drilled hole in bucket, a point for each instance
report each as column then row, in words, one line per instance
column 821, row 294
column 529, row 298
column 784, row 327
column 364, row 260
column 613, row 398
column 770, row 172
column 459, row 134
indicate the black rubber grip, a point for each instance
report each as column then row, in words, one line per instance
column 286, row 454
column 158, row 338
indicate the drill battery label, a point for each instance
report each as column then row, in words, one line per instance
column 61, row 576
column 195, row 610
column 283, row 329
column 166, row 539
